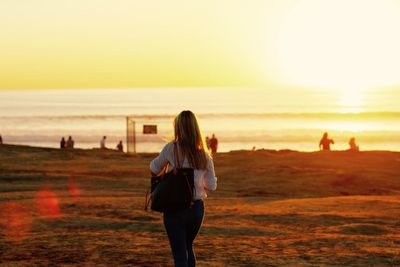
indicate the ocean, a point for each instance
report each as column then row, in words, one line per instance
column 240, row 118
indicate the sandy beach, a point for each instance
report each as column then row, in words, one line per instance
column 272, row 208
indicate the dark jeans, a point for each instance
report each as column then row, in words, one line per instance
column 182, row 228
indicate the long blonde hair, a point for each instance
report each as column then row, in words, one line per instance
column 189, row 138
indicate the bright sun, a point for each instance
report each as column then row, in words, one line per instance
column 347, row 46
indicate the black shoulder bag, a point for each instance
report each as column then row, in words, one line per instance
column 173, row 190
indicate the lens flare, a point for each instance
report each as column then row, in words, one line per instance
column 47, row 204
column 16, row 221
column 73, row 188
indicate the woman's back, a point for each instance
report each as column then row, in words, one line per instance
column 204, row 179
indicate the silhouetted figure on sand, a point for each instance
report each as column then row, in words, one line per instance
column 120, row 147
column 70, row 142
column 353, row 145
column 103, row 142
column 208, row 142
column 213, row 144
column 63, row 143
column 1, row 140
column 325, row 143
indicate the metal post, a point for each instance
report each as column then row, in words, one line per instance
column 134, row 136
column 127, row 134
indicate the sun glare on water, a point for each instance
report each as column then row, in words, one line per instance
column 347, row 47
column 348, row 126
column 350, row 101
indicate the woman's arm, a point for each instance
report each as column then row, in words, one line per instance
column 158, row 164
column 210, row 180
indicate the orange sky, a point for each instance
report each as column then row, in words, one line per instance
column 337, row 45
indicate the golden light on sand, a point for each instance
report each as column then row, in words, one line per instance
column 341, row 45
column 273, row 208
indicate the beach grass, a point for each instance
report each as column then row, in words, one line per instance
column 271, row 208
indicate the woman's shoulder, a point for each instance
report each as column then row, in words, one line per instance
column 170, row 144
column 168, row 147
column 208, row 157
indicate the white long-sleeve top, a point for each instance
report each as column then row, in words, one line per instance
column 204, row 180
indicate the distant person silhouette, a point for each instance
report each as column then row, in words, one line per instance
column 120, row 147
column 103, row 142
column 63, row 143
column 70, row 142
column 1, row 140
column 325, row 143
column 353, row 145
column 213, row 144
column 208, row 142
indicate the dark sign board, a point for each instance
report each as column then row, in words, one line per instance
column 149, row 129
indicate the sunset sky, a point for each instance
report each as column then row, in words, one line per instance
column 346, row 45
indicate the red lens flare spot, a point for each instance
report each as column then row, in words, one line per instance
column 16, row 221
column 73, row 189
column 47, row 204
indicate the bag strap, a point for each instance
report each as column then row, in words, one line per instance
column 147, row 200
column 176, row 157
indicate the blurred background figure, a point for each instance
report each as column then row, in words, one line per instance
column 62, row 143
column 213, row 144
column 353, row 145
column 325, row 143
column 103, row 142
column 120, row 146
column 1, row 140
column 208, row 142
column 70, row 142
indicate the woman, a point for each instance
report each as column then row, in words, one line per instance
column 183, row 226
column 325, row 142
